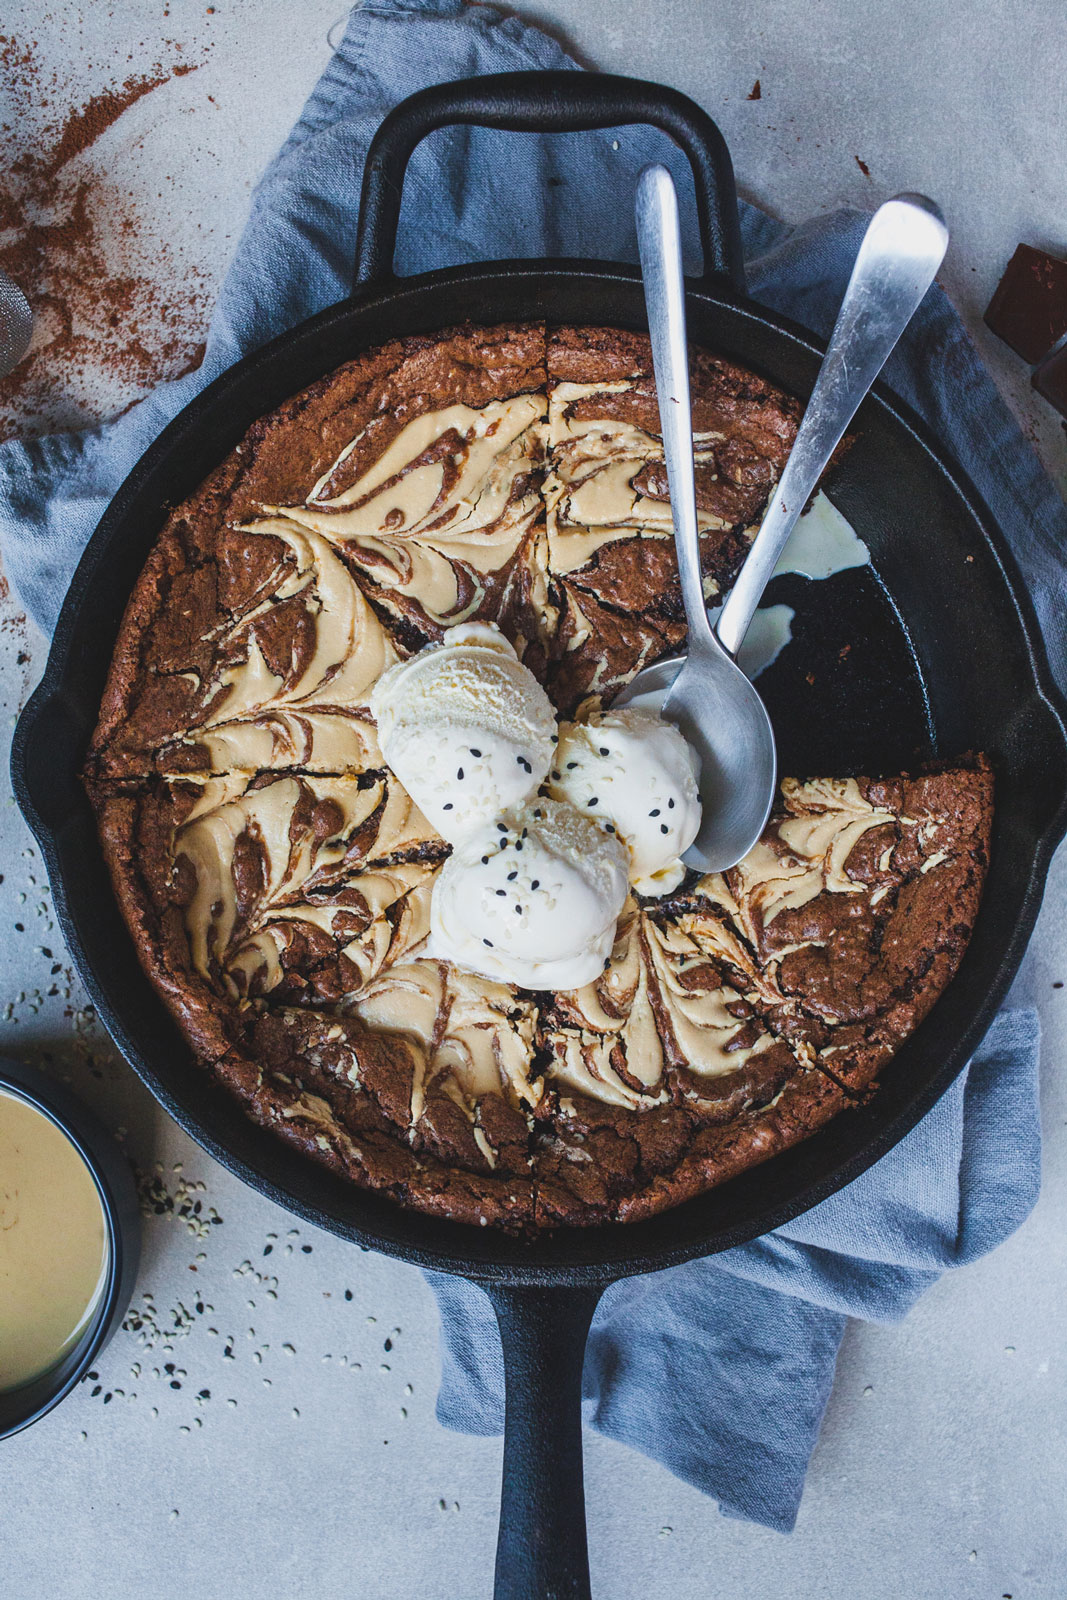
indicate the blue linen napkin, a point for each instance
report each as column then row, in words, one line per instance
column 720, row 1369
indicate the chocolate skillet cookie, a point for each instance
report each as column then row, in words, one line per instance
column 276, row 876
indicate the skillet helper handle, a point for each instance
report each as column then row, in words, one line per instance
column 541, row 1551
column 550, row 102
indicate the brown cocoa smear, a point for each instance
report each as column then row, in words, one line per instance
column 72, row 239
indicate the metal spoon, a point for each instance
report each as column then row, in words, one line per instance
column 16, row 324
column 706, row 693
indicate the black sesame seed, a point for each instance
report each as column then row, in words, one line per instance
column 512, row 876
column 448, row 806
column 594, row 801
column 488, row 943
column 610, row 826
column 536, row 884
column 501, row 893
column 475, row 753
column 459, row 774
column 556, row 776
column 539, row 815
column 604, row 751
column 571, row 765
column 485, row 861
column 654, row 813
column 518, row 844
column 518, row 909
column 663, row 828
column 501, row 827
column 348, row 1294
column 670, row 805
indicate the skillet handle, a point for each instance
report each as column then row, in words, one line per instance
column 550, row 102
column 541, row 1551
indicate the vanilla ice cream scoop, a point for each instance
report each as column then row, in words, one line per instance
column 466, row 727
column 634, row 770
column 531, row 899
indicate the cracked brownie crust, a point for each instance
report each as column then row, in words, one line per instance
column 276, row 876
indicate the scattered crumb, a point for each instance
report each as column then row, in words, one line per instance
column 71, row 240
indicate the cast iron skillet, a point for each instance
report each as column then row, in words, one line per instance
column 944, row 657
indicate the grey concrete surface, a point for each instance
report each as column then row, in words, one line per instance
column 300, row 1456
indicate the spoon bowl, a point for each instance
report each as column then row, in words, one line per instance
column 16, row 324
column 725, row 722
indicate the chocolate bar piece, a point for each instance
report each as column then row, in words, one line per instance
column 1029, row 308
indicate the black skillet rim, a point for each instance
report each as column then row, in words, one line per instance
column 604, row 1253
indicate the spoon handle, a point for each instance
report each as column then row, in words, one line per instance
column 901, row 251
column 659, row 242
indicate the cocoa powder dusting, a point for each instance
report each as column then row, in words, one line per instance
column 104, row 334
